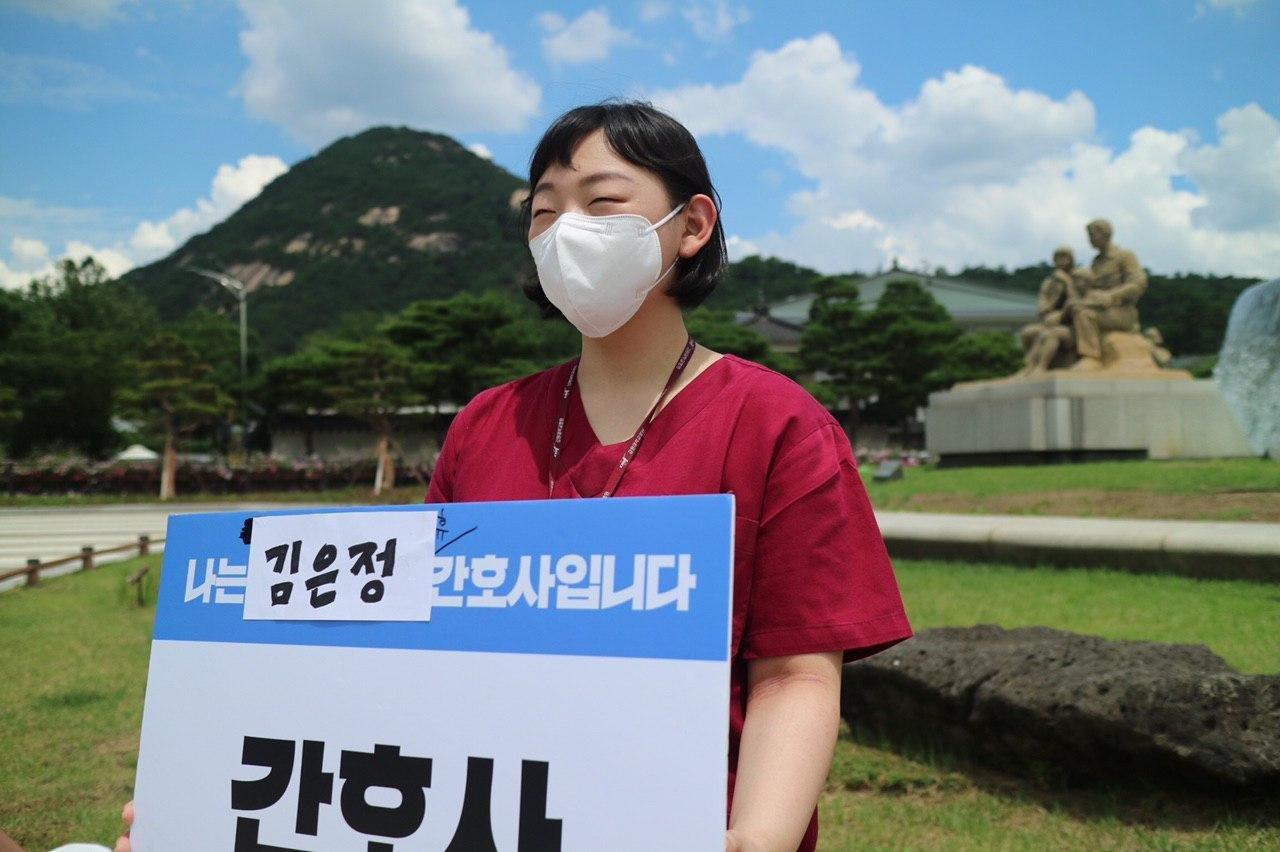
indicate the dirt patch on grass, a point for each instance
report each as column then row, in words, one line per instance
column 1261, row 506
column 125, row 745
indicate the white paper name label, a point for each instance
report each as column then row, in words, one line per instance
column 341, row 566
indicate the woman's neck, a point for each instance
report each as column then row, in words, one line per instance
column 639, row 355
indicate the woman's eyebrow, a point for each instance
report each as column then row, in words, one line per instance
column 589, row 180
column 598, row 177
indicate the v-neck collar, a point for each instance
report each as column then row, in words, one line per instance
column 682, row 405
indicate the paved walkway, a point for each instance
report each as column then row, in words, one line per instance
column 1211, row 549
column 51, row 533
column 1196, row 548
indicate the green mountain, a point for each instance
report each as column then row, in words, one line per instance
column 367, row 225
column 378, row 220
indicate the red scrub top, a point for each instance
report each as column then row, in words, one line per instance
column 810, row 569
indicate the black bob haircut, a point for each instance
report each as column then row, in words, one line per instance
column 649, row 138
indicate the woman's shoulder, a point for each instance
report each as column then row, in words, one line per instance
column 508, row 394
column 774, row 398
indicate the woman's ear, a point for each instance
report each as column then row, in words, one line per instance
column 700, row 217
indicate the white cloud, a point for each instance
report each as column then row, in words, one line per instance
column 84, row 13
column 231, row 187
column 854, row 220
column 28, row 252
column 587, row 38
column 971, row 170
column 714, row 20
column 480, row 150
column 115, row 261
column 739, row 248
column 654, row 10
column 416, row 62
column 1239, row 177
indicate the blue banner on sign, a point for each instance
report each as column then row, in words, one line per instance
column 640, row 577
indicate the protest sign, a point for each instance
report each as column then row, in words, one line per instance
column 543, row 675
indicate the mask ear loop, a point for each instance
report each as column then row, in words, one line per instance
column 667, row 218
column 654, row 227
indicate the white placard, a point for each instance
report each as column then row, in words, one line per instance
column 341, row 566
column 569, row 692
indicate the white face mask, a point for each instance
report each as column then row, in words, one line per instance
column 598, row 269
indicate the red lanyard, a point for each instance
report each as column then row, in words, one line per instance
column 634, row 446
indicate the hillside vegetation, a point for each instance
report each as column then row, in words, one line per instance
column 378, row 220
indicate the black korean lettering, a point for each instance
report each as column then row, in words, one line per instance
column 319, row 598
column 278, row 553
column 372, row 591
column 281, row 592
column 475, row 826
column 384, row 767
column 388, row 558
column 277, row 757
column 537, row 833
column 325, row 557
column 247, row 838
column 315, row 787
column 363, row 553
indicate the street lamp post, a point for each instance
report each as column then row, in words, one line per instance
column 238, row 288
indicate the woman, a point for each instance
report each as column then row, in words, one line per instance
column 625, row 232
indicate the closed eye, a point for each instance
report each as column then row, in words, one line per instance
column 607, row 200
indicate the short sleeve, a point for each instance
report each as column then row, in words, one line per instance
column 440, row 489
column 822, row 580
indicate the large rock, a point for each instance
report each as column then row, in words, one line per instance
column 1248, row 368
column 1090, row 707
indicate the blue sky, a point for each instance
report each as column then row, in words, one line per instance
column 840, row 134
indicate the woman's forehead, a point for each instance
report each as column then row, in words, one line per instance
column 592, row 160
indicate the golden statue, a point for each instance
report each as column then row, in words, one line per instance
column 1088, row 318
column 1052, row 338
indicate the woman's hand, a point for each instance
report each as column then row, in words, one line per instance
column 122, row 843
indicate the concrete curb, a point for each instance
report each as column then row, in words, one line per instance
column 1205, row 549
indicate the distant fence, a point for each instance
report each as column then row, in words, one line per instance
column 85, row 557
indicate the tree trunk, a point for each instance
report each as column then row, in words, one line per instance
column 168, row 468
column 848, row 416
column 385, row 477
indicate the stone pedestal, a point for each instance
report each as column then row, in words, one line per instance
column 1068, row 415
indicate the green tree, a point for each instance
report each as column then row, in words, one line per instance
column 296, row 386
column 174, row 396
column 834, row 346
column 910, row 335
column 467, row 343
column 717, row 330
column 752, row 280
column 65, row 350
column 216, row 339
column 978, row 355
column 372, row 381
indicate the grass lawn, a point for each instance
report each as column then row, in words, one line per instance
column 1239, row 621
column 1211, row 490
column 878, row 799
column 75, row 656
